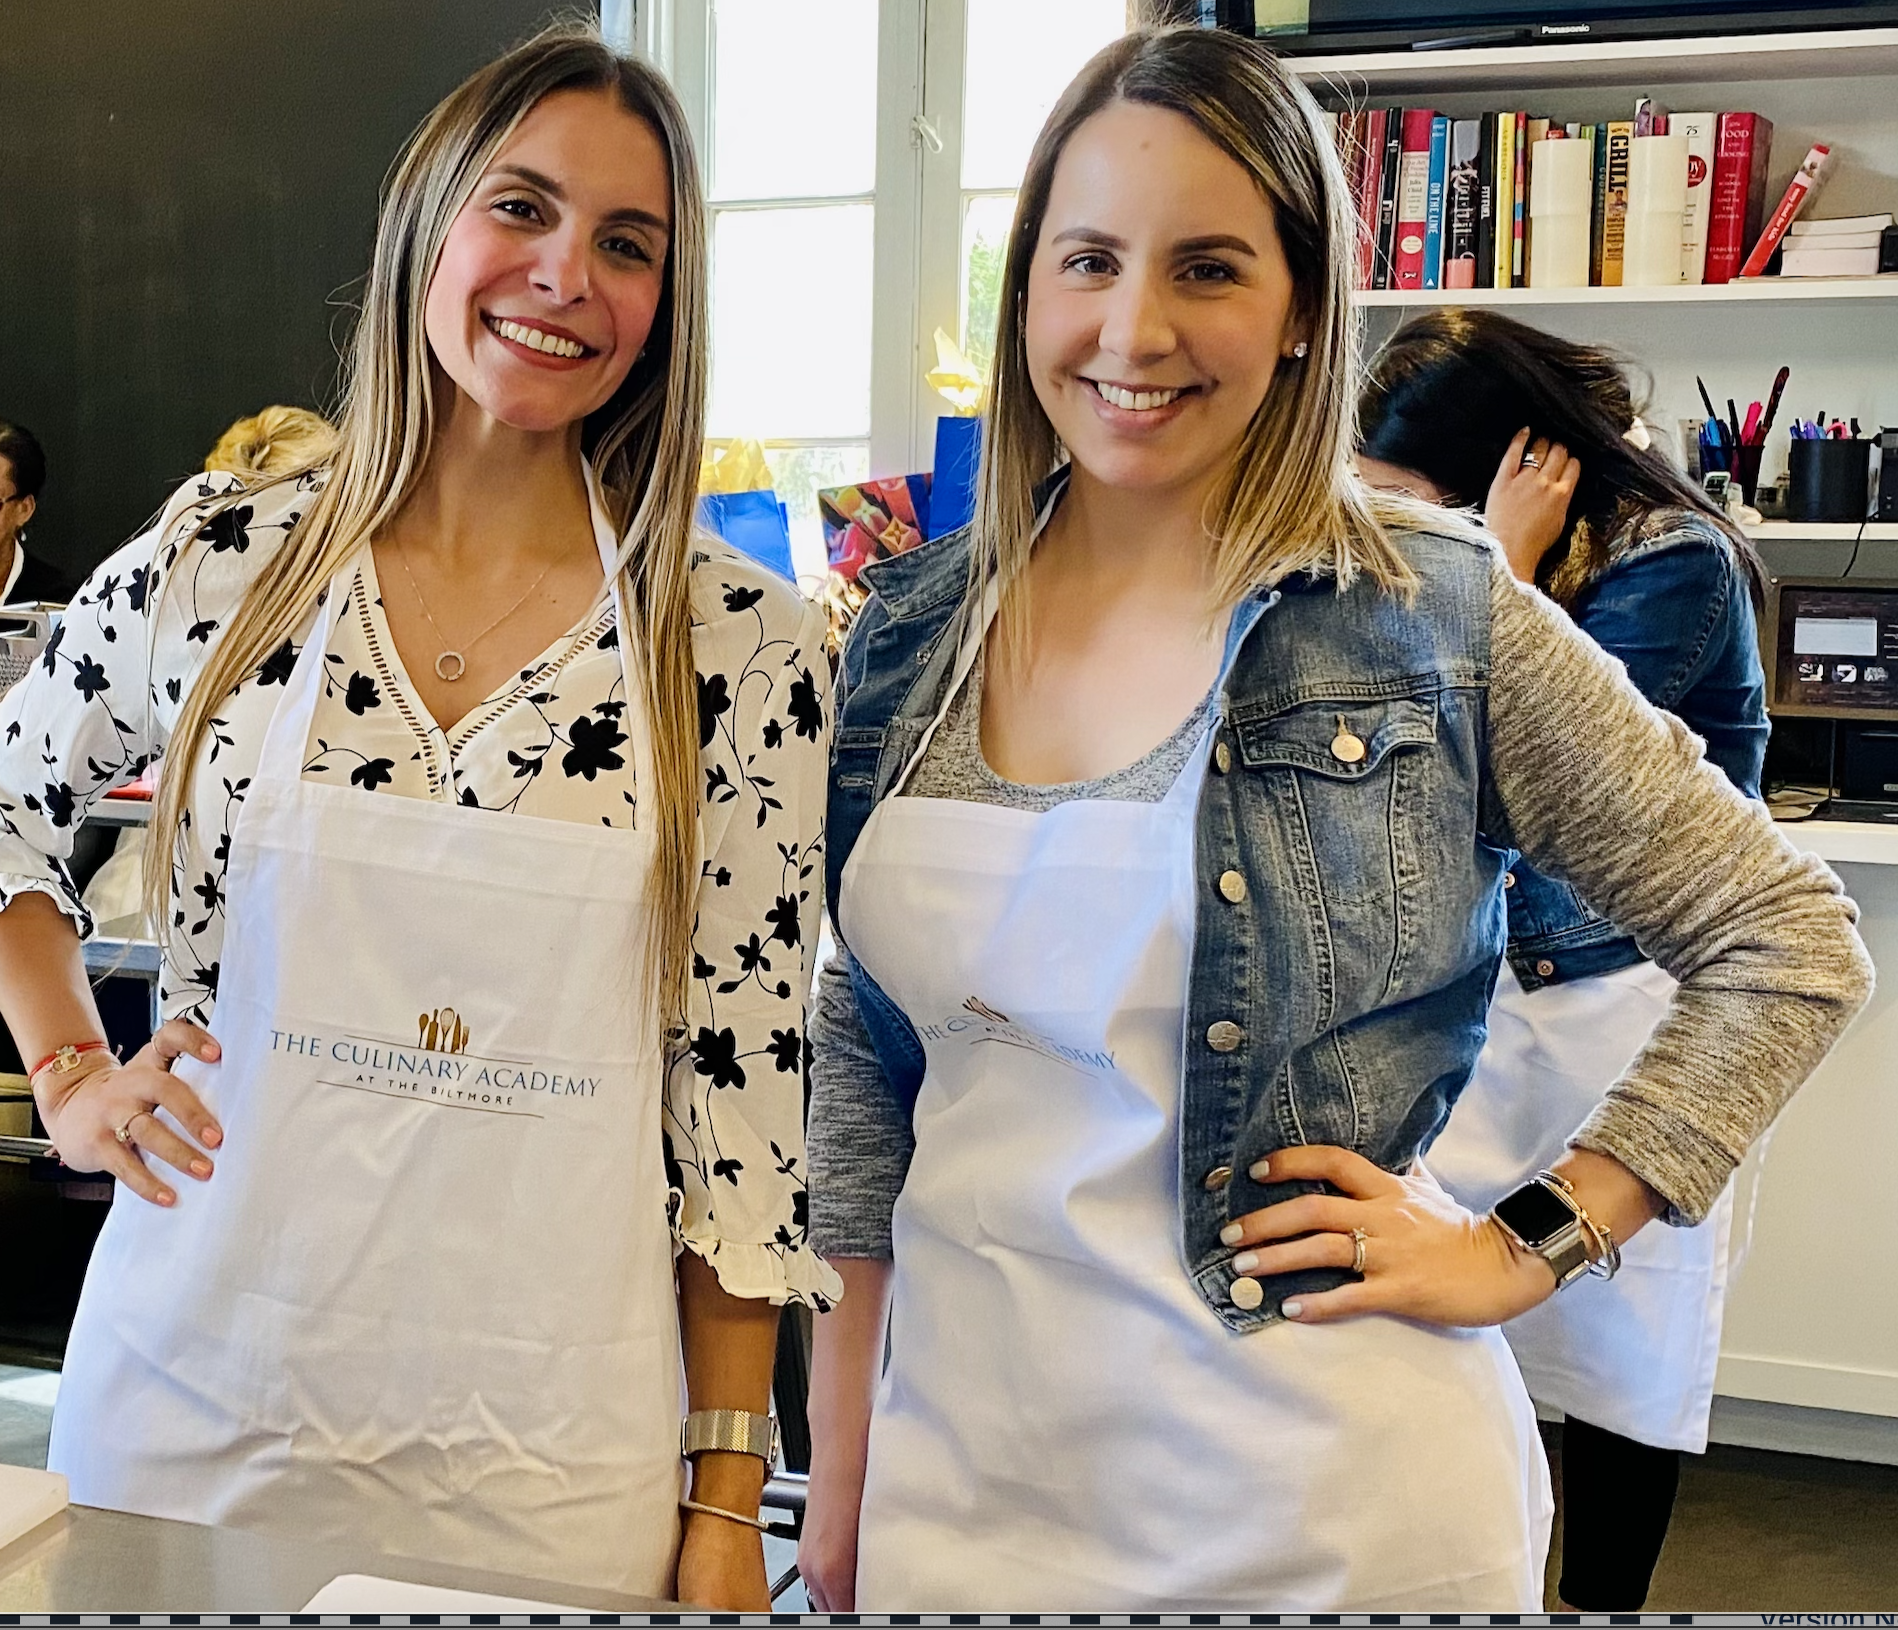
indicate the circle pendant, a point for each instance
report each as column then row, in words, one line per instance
column 450, row 666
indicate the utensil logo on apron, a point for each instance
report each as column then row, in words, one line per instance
column 983, row 1023
column 442, row 1031
column 437, row 1069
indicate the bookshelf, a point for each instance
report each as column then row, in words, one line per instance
column 1740, row 292
column 1794, row 1336
column 1858, row 53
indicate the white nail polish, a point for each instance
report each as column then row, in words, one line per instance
column 1292, row 1309
column 1245, row 1262
column 1259, row 1170
column 1231, row 1234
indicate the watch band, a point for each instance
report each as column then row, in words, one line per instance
column 735, row 1431
column 1567, row 1251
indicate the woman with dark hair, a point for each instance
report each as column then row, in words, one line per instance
column 1168, row 820
column 24, row 580
column 1473, row 409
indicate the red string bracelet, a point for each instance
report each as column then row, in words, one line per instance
column 66, row 1058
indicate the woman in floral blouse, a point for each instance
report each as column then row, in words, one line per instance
column 493, row 808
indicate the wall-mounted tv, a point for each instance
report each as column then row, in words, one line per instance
column 1421, row 25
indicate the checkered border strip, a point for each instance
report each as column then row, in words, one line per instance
column 1872, row 1620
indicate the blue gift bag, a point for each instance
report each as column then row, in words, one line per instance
column 952, row 492
column 754, row 523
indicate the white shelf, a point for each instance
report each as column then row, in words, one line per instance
column 1832, row 54
column 1823, row 532
column 1866, row 843
column 1744, row 291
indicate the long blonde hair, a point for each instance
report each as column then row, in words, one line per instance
column 644, row 445
column 1292, row 500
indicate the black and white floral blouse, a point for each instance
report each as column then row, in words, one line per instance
column 102, row 702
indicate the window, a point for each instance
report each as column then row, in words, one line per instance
column 1018, row 57
column 791, row 174
column 861, row 160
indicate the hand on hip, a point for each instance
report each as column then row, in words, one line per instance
column 105, row 1119
column 1420, row 1254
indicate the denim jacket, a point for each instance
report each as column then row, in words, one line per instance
column 1341, row 998
column 1673, row 606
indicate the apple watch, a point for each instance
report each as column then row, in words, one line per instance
column 1545, row 1219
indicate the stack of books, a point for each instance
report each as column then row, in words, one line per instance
column 1843, row 247
column 1445, row 203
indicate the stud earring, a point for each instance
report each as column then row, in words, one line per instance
column 1301, row 350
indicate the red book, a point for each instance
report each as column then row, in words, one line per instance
column 1368, row 194
column 1413, row 199
column 1804, row 184
column 1742, row 147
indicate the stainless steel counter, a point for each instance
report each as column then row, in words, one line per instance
column 91, row 1561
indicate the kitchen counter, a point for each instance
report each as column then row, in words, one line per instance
column 90, row 1561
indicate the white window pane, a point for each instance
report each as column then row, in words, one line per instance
column 794, row 98
column 985, row 224
column 1021, row 55
column 799, row 474
column 791, row 322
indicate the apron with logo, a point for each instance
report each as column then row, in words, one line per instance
column 1064, row 1424
column 1635, row 1354
column 427, row 1299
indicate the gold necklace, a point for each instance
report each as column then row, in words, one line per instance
column 450, row 655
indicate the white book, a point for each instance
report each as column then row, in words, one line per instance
column 1828, row 262
column 1839, row 226
column 1698, row 128
column 1829, row 242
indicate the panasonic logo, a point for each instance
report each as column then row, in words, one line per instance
column 1564, row 28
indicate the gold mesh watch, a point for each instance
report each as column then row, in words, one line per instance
column 736, row 1431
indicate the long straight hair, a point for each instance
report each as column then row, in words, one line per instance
column 1450, row 390
column 1290, row 499
column 643, row 444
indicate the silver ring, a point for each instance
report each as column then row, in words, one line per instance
column 1358, row 1237
column 1531, row 462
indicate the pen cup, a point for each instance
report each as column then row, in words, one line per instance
column 1747, row 469
column 1829, row 479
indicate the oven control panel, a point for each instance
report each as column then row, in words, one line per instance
column 1835, row 649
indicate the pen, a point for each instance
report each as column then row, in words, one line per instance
column 1733, row 418
column 1713, row 413
column 1772, row 400
column 1750, row 431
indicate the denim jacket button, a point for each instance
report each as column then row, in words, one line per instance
column 1233, row 886
column 1222, row 757
column 1216, row 1179
column 1224, row 1036
column 1545, row 968
column 1509, row 880
column 1246, row 1293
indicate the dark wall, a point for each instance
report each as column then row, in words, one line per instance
column 187, row 203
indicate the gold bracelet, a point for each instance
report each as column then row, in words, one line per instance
column 729, row 1516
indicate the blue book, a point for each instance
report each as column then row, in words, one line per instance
column 1433, row 203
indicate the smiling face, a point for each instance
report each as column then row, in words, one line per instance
column 1159, row 301
column 552, row 272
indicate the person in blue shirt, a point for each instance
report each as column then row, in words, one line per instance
column 1473, row 409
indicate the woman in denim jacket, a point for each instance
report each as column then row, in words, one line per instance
column 1465, row 407
column 1170, row 807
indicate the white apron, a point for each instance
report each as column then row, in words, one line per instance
column 427, row 1299
column 1064, row 1425
column 1636, row 1354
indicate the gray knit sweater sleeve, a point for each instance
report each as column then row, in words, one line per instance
column 1600, row 788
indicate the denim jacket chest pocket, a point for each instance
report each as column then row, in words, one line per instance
column 1355, row 787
